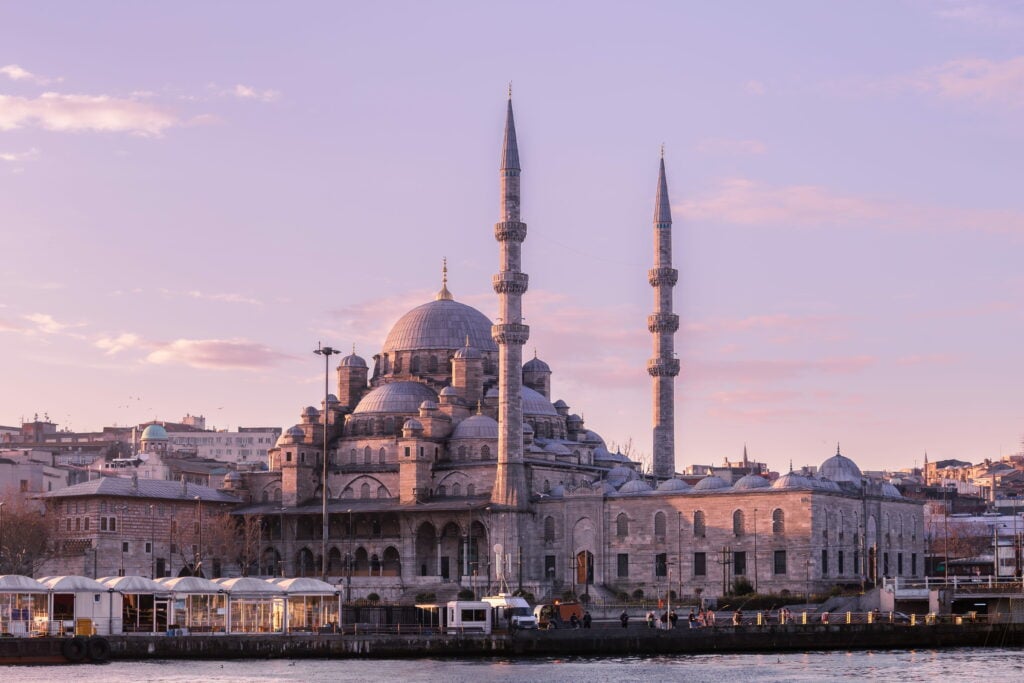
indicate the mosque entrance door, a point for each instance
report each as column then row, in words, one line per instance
column 585, row 568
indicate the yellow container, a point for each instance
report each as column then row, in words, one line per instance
column 83, row 627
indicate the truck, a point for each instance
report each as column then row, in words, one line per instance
column 557, row 614
column 510, row 611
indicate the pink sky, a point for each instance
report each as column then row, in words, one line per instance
column 193, row 195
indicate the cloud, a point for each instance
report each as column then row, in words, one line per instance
column 997, row 15
column 973, row 79
column 16, row 73
column 122, row 342
column 20, row 156
column 75, row 113
column 227, row 297
column 742, row 201
column 754, row 88
column 730, row 146
column 45, row 323
column 246, row 92
column 219, row 354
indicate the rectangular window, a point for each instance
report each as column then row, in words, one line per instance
column 124, row 546
column 840, row 569
column 78, row 523
column 623, row 565
column 549, row 566
column 86, row 523
column 780, row 562
column 899, row 564
column 739, row 563
column 700, row 564
column 103, row 523
column 856, row 562
column 824, row 562
column 913, row 564
column 885, row 564
column 68, row 524
column 113, row 524
column 661, row 564
column 149, row 547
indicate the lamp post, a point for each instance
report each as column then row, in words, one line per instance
column 124, row 509
column 152, row 543
column 2, row 569
column 326, row 352
column 197, row 561
column 755, row 550
column 348, row 559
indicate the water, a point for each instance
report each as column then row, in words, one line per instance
column 992, row 665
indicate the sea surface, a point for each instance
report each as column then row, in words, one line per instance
column 963, row 664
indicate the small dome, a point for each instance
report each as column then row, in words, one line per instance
column 711, row 483
column 751, row 481
column 635, row 486
column 674, row 485
column 412, row 425
column 617, row 476
column 154, row 433
column 557, row 449
column 890, row 491
column 296, row 431
column 476, row 427
column 396, row 397
column 331, row 398
column 428, row 405
column 536, row 365
column 792, row 480
column 310, row 411
column 232, row 479
column 527, row 429
column 605, row 488
column 840, row 469
column 449, row 391
column 561, row 404
column 468, row 353
column 574, row 418
column 352, row 361
column 492, row 393
column 534, row 403
column 825, row 484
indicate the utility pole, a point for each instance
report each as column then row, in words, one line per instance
column 726, row 562
column 326, row 352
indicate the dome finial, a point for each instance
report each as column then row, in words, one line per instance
column 510, row 90
column 444, row 294
column 479, row 407
column 791, row 465
column 837, row 448
column 353, row 348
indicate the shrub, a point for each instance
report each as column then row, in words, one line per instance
column 742, row 586
column 373, row 597
column 638, row 594
column 425, row 597
column 526, row 595
column 466, row 594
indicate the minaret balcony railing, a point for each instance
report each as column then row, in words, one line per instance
column 510, row 231
column 511, row 282
column 663, row 367
column 663, row 276
column 663, row 322
column 510, row 333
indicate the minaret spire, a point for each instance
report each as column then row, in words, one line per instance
column 509, row 332
column 444, row 294
column 662, row 324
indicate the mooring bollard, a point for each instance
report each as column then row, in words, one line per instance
column 760, row 619
column 803, row 619
column 849, row 617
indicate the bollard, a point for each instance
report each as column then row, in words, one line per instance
column 760, row 619
column 849, row 617
column 804, row 619
column 913, row 620
column 871, row 617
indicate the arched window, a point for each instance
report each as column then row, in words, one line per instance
column 367, row 455
column 389, row 425
column 547, row 486
column 778, row 521
column 485, row 452
column 382, row 492
column 277, row 495
column 382, row 455
column 397, row 367
column 699, row 526
column 622, row 525
column 442, row 491
column 266, row 496
column 414, row 365
column 462, row 452
column 737, row 523
column 364, row 491
column 432, row 364
column 456, row 489
column 549, row 529
column 352, row 456
column 659, row 525
column 470, row 490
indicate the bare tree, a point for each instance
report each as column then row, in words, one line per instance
column 234, row 540
column 26, row 536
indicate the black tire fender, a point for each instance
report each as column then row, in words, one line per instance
column 74, row 649
column 98, row 649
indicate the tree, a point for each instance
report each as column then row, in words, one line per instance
column 26, row 536
column 234, row 540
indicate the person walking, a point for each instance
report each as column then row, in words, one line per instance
column 586, row 619
column 624, row 619
column 650, row 619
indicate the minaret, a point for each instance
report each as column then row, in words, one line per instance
column 664, row 366
column 510, row 333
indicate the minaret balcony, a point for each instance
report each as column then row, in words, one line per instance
column 663, row 276
column 663, row 322
column 510, row 231
column 663, row 367
column 511, row 282
column 510, row 333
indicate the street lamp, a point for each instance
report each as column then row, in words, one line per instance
column 755, row 550
column 348, row 559
column 197, row 566
column 2, row 569
column 152, row 543
column 124, row 509
column 326, row 352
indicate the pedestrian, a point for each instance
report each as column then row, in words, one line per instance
column 673, row 618
column 737, row 618
column 692, row 619
column 664, row 621
column 586, row 619
column 650, row 619
column 624, row 619
column 709, row 617
column 574, row 621
column 824, row 617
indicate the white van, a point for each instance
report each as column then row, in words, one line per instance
column 510, row 611
column 468, row 615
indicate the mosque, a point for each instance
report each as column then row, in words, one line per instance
column 451, row 465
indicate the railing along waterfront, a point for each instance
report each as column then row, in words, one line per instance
column 960, row 584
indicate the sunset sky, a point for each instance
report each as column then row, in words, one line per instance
column 193, row 194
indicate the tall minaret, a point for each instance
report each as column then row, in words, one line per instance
column 664, row 366
column 510, row 333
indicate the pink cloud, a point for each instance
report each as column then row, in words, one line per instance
column 75, row 113
column 975, row 79
column 220, row 354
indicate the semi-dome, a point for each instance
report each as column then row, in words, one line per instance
column 534, row 403
column 839, row 468
column 440, row 324
column 352, row 361
column 396, row 397
column 890, row 491
column 825, row 484
column 536, row 365
column 711, row 482
column 635, row 486
column 751, row 481
column 154, row 433
column 617, row 476
column 476, row 427
column 674, row 485
column 556, row 448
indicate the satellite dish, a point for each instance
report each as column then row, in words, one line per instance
column 498, row 548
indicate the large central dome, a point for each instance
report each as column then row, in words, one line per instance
column 441, row 324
